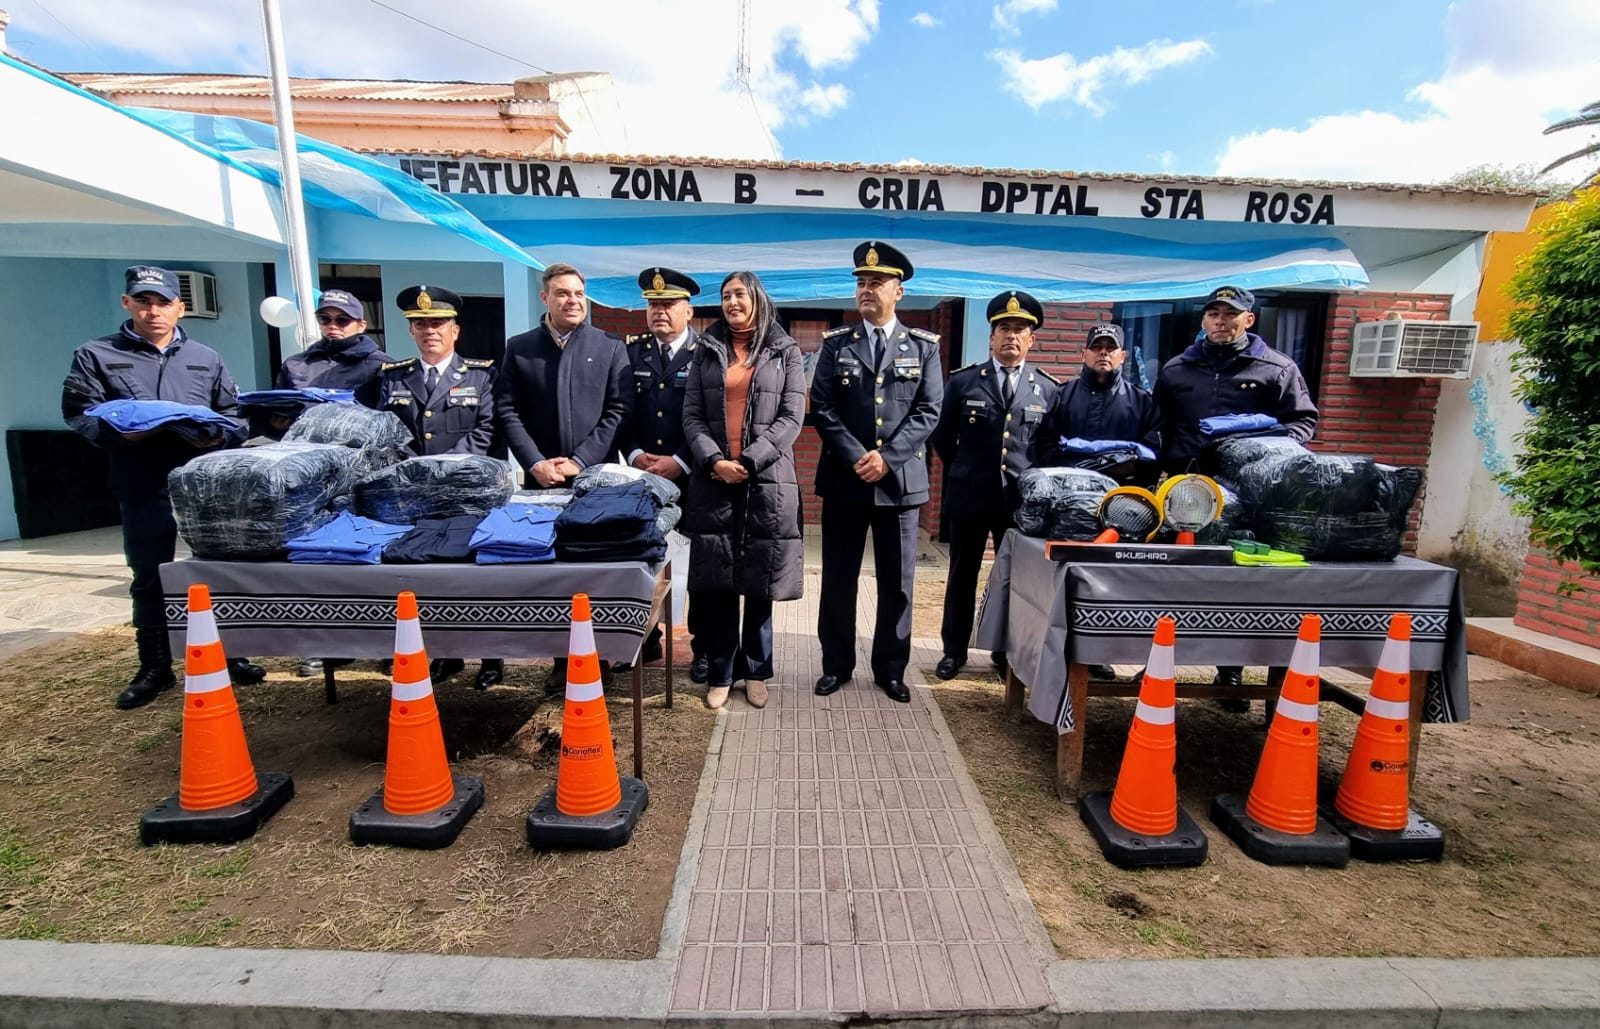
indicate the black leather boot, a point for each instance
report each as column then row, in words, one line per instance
column 155, row 670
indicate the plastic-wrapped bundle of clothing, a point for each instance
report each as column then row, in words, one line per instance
column 669, row 517
column 598, row 475
column 347, row 540
column 1061, row 503
column 612, row 523
column 1235, row 522
column 1236, row 452
column 246, row 504
column 380, row 435
column 439, row 486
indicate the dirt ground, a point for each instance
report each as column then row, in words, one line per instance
column 76, row 774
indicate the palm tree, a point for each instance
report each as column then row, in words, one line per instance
column 1588, row 117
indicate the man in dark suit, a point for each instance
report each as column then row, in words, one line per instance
column 875, row 401
column 988, row 436
column 446, row 400
column 652, row 438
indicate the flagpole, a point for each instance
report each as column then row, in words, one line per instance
column 293, row 204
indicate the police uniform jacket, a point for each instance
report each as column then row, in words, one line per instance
column 986, row 444
column 125, row 366
column 894, row 410
column 657, row 388
column 457, row 417
column 562, row 403
column 1087, row 408
column 1206, row 380
column 353, row 364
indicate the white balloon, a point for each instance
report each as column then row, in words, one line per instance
column 279, row 311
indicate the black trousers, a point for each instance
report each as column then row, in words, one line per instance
column 149, row 540
column 735, row 648
column 894, row 546
column 968, row 540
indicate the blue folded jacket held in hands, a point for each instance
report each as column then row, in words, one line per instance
column 293, row 399
column 190, row 421
column 1075, row 445
column 1229, row 424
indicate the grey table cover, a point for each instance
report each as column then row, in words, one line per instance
column 275, row 608
column 1040, row 611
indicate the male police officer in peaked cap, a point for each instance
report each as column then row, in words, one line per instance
column 447, row 401
column 652, row 436
column 875, row 401
column 987, row 437
column 149, row 358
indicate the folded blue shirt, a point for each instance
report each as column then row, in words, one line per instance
column 294, row 399
column 1101, row 446
column 516, row 534
column 1228, row 424
column 347, row 540
column 188, row 420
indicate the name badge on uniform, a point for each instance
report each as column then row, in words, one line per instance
column 978, row 404
column 682, row 376
column 643, row 373
column 400, row 397
column 1034, row 408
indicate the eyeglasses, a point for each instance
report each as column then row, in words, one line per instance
column 334, row 319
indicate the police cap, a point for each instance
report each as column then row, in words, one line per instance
column 147, row 278
column 666, row 284
column 875, row 257
column 1105, row 330
column 429, row 302
column 1236, row 297
column 1014, row 303
column 342, row 301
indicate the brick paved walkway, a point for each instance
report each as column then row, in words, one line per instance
column 846, row 865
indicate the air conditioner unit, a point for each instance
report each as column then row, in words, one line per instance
column 1398, row 348
column 198, row 291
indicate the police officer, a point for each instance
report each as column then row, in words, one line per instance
column 344, row 358
column 652, row 438
column 150, row 358
column 1101, row 404
column 1230, row 371
column 446, row 400
column 875, row 400
column 989, row 434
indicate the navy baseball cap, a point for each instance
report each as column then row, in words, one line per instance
column 1105, row 330
column 147, row 278
column 343, row 301
column 1236, row 297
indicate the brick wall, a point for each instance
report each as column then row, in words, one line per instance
column 1542, row 607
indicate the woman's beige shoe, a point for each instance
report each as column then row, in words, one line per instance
column 755, row 691
column 716, row 696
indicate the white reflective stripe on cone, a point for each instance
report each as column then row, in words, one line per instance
column 1307, row 659
column 1161, row 664
column 584, row 691
column 207, row 682
column 408, row 636
column 1396, row 657
column 412, row 690
column 581, row 639
column 202, row 628
column 1154, row 715
column 1297, row 711
column 1399, row 710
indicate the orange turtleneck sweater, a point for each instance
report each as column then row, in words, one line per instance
column 736, row 388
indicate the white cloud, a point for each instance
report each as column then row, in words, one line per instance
column 925, row 20
column 673, row 66
column 1504, row 80
column 1038, row 82
column 1005, row 14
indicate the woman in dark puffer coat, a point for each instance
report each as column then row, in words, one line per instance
column 742, row 514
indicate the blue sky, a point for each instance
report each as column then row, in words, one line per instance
column 1408, row 91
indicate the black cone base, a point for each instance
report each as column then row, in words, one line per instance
column 168, row 822
column 431, row 830
column 1324, row 845
column 1184, row 846
column 1420, row 840
column 549, row 829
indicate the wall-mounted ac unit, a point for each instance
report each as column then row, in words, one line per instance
column 1398, row 348
column 199, row 294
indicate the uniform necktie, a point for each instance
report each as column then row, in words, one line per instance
column 879, row 345
column 433, row 379
column 1008, row 391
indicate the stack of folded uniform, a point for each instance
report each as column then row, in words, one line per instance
column 291, row 401
column 612, row 523
column 346, row 540
column 196, row 424
column 440, row 486
column 380, row 436
column 246, row 504
column 666, row 491
column 434, row 540
column 556, row 498
column 516, row 534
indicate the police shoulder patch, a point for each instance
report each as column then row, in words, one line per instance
column 931, row 337
column 478, row 362
column 835, row 333
column 392, row 365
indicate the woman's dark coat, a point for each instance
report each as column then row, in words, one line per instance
column 763, row 554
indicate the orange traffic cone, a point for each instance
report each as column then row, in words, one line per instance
column 220, row 798
column 590, row 805
column 1278, row 824
column 1141, row 824
column 420, row 804
column 1372, row 806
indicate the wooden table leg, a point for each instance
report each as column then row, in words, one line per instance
column 1013, row 693
column 1275, row 676
column 1419, row 693
column 330, row 689
column 666, row 634
column 638, row 720
column 1069, row 745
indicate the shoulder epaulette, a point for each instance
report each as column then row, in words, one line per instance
column 1047, row 375
column 840, row 331
column 407, row 363
column 478, row 362
column 967, row 367
column 639, row 337
column 931, row 337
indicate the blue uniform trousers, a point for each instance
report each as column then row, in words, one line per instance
column 894, row 547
